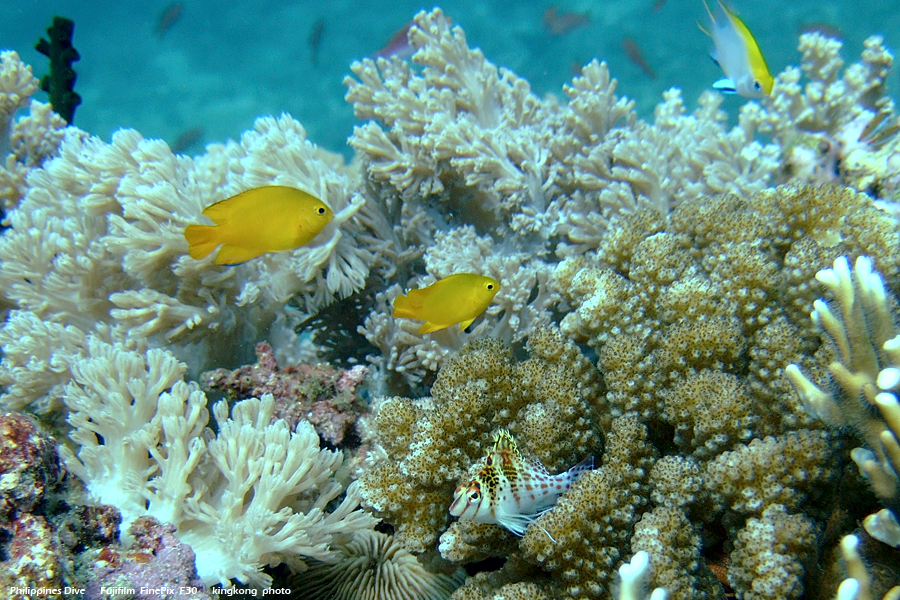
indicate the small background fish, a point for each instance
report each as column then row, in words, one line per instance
column 737, row 54
column 510, row 489
column 168, row 18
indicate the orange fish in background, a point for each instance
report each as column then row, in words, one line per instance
column 168, row 18
column 399, row 44
column 631, row 50
column 559, row 23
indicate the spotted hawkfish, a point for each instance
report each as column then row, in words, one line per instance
column 510, row 489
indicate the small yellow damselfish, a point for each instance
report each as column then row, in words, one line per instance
column 264, row 219
column 511, row 490
column 459, row 298
column 737, row 54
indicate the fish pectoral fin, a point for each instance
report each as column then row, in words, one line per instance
column 516, row 523
column 428, row 327
column 403, row 308
column 233, row 255
column 465, row 324
column 220, row 212
column 725, row 85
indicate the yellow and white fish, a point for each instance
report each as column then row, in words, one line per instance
column 265, row 219
column 511, row 490
column 459, row 298
column 737, row 54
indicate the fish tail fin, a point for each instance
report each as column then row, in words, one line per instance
column 403, row 308
column 202, row 239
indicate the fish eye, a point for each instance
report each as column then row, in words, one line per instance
column 756, row 85
column 490, row 286
column 321, row 210
column 474, row 496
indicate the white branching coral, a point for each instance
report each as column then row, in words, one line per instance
column 99, row 239
column 268, row 502
column 453, row 129
column 252, row 495
column 459, row 124
column 864, row 338
column 17, row 84
column 834, row 123
column 678, row 156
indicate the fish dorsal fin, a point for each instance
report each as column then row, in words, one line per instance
column 220, row 212
column 504, row 442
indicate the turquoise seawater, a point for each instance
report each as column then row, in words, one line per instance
column 222, row 64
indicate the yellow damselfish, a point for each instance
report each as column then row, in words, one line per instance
column 738, row 55
column 455, row 299
column 264, row 219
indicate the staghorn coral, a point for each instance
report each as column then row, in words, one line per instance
column 673, row 547
column 868, row 570
column 771, row 554
column 602, row 506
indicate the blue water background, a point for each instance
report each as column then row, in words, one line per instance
column 222, row 64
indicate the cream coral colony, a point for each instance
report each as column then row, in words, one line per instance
column 679, row 257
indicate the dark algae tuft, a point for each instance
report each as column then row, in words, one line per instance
column 59, row 83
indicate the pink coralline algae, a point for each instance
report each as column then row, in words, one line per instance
column 156, row 567
column 29, row 465
column 321, row 394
